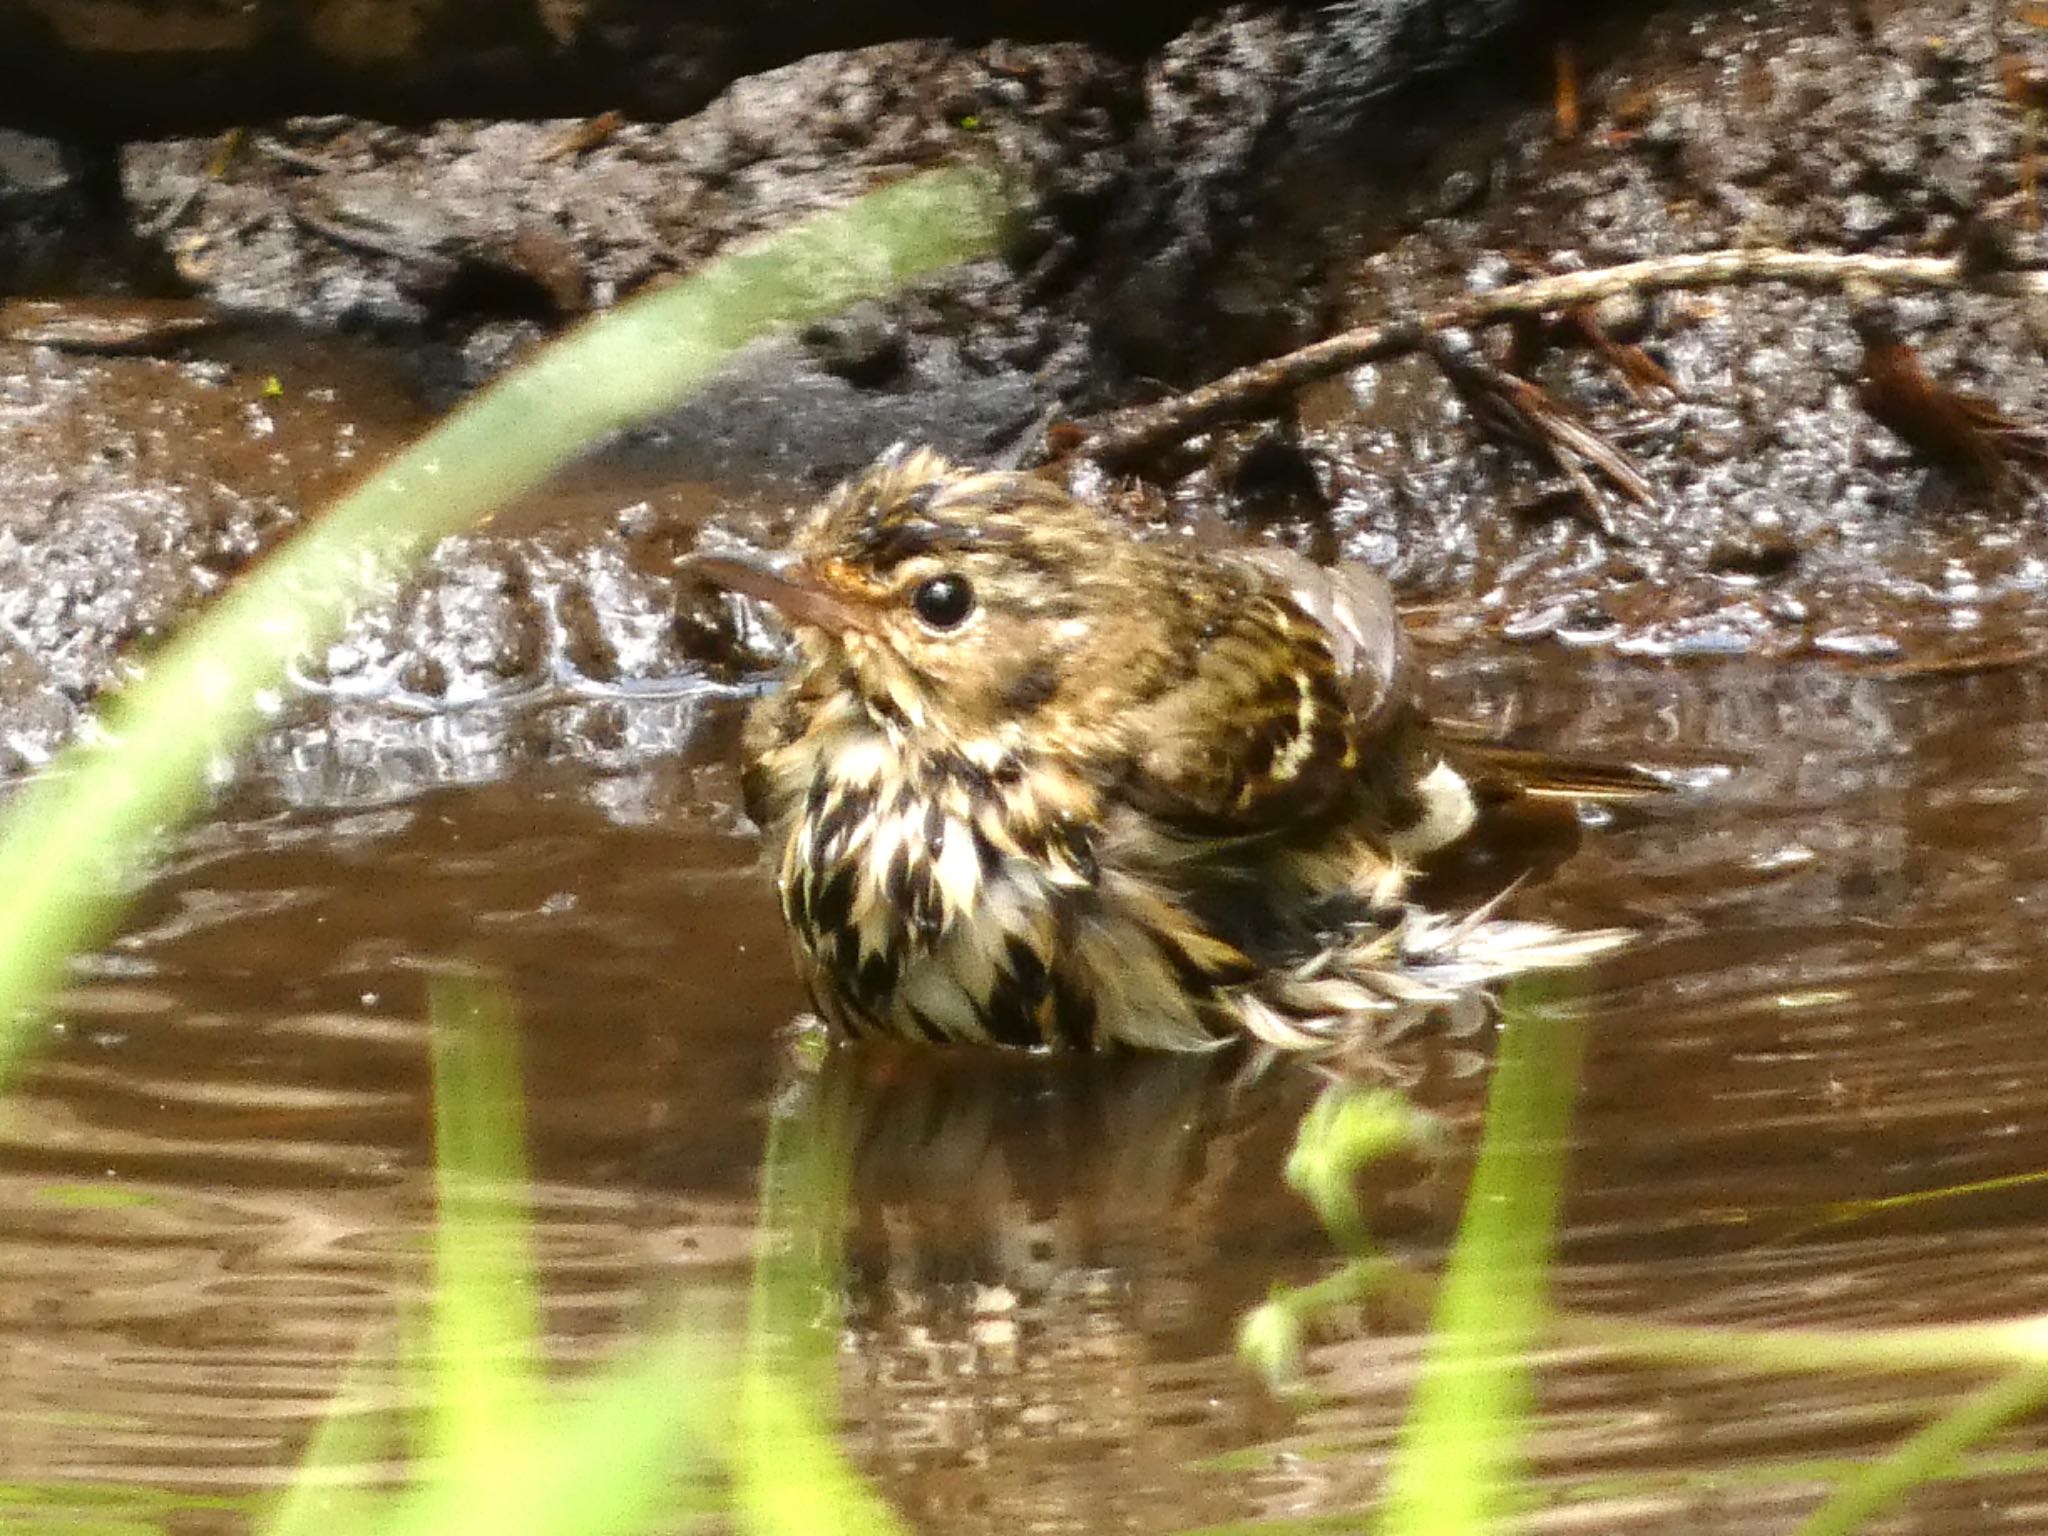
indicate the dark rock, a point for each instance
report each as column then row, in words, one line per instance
column 195, row 65
column 45, row 208
column 864, row 346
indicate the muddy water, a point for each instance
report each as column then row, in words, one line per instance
column 214, row 1180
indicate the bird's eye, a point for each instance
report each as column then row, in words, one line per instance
column 943, row 602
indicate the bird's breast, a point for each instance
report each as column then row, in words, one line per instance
column 933, row 893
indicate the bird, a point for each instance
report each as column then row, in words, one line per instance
column 1033, row 781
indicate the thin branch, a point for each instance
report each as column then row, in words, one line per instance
column 1130, row 434
column 1512, row 409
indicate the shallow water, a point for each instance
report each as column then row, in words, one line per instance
column 214, row 1180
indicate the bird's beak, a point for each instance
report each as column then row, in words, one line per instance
column 788, row 589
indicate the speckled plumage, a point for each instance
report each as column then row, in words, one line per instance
column 1143, row 795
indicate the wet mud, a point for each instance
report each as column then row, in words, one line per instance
column 1813, row 1095
column 345, row 280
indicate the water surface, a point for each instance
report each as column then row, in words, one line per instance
column 1814, row 1096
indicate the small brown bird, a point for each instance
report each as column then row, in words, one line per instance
column 1035, row 782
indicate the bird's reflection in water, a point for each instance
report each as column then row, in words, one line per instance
column 1049, row 1256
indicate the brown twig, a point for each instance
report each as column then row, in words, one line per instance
column 1977, row 444
column 1513, row 410
column 1565, row 66
column 1641, row 374
column 1131, row 434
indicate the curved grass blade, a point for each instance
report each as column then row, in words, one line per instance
column 77, row 835
column 1346, row 1130
column 1929, row 1455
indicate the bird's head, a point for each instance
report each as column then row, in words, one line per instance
column 966, row 604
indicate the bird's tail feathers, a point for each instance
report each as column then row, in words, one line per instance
column 1381, row 983
column 1499, row 771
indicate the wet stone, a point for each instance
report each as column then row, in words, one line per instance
column 586, row 647
column 1760, row 549
column 864, row 346
column 33, row 169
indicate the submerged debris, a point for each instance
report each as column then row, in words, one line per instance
column 105, row 326
column 1511, row 409
column 1971, row 440
column 1641, row 374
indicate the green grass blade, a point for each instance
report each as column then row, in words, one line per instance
column 1940, row 1347
column 1460, row 1451
column 1346, row 1130
column 1928, row 1455
column 486, row 1329
column 790, row 1478
column 79, row 834
column 355, row 1434
column 628, row 1456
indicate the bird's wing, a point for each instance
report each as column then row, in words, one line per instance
column 1381, row 681
column 1352, row 602
column 1256, row 732
column 1409, row 797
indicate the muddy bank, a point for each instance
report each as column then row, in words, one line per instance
column 112, row 68
column 1238, row 189
column 344, row 280
column 1789, row 521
